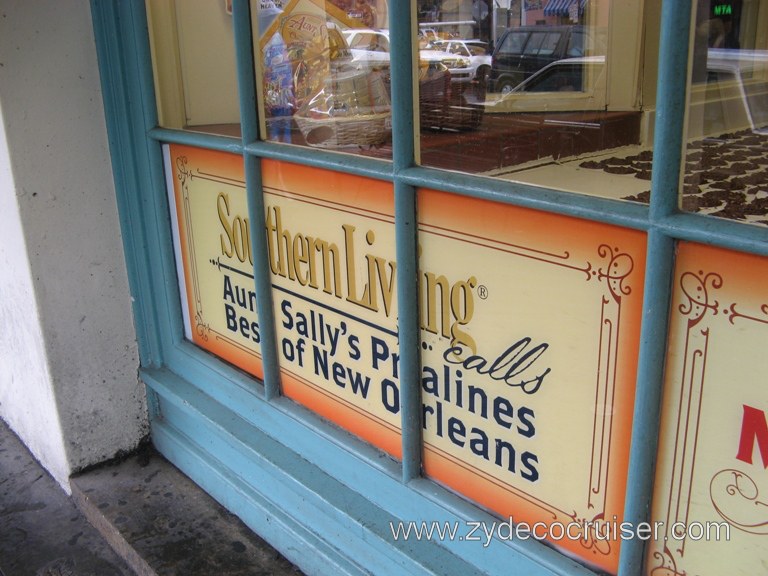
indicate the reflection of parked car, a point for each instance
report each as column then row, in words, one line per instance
column 475, row 50
column 570, row 84
column 520, row 52
column 428, row 34
column 735, row 94
column 373, row 46
column 732, row 95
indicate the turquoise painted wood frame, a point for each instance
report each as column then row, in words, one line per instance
column 319, row 495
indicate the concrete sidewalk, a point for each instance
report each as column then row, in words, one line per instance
column 42, row 533
column 139, row 516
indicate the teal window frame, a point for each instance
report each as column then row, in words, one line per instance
column 322, row 497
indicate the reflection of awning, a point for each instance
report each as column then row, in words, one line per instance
column 561, row 7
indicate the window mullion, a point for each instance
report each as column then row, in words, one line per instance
column 255, row 192
column 401, row 53
column 401, row 18
column 408, row 327
column 668, row 149
column 246, row 84
column 650, row 376
column 671, row 106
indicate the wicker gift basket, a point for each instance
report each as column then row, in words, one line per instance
column 351, row 108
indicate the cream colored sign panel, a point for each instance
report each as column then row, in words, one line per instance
column 529, row 359
column 710, row 507
column 213, row 253
column 331, row 249
column 529, row 326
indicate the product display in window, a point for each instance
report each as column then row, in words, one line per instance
column 341, row 78
column 726, row 149
column 498, row 372
column 279, row 96
column 350, row 108
column 558, row 94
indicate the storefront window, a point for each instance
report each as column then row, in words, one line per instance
column 545, row 102
column 710, row 476
column 502, row 306
column 529, row 93
column 518, row 92
column 342, row 343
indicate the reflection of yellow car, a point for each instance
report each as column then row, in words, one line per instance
column 734, row 95
column 564, row 85
column 475, row 51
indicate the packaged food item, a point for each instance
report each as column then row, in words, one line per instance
column 306, row 36
column 311, row 81
column 278, row 87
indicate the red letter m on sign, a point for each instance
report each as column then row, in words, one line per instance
column 753, row 427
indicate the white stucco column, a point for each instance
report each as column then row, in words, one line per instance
column 68, row 385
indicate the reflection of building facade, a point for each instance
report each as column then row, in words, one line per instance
column 479, row 18
column 457, row 18
column 549, row 12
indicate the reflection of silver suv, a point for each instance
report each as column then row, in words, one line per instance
column 566, row 85
column 522, row 51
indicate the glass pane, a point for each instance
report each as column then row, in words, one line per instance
column 549, row 101
column 727, row 149
column 710, row 486
column 324, row 74
column 513, row 42
column 193, row 57
column 529, row 344
column 211, row 232
column 331, row 253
